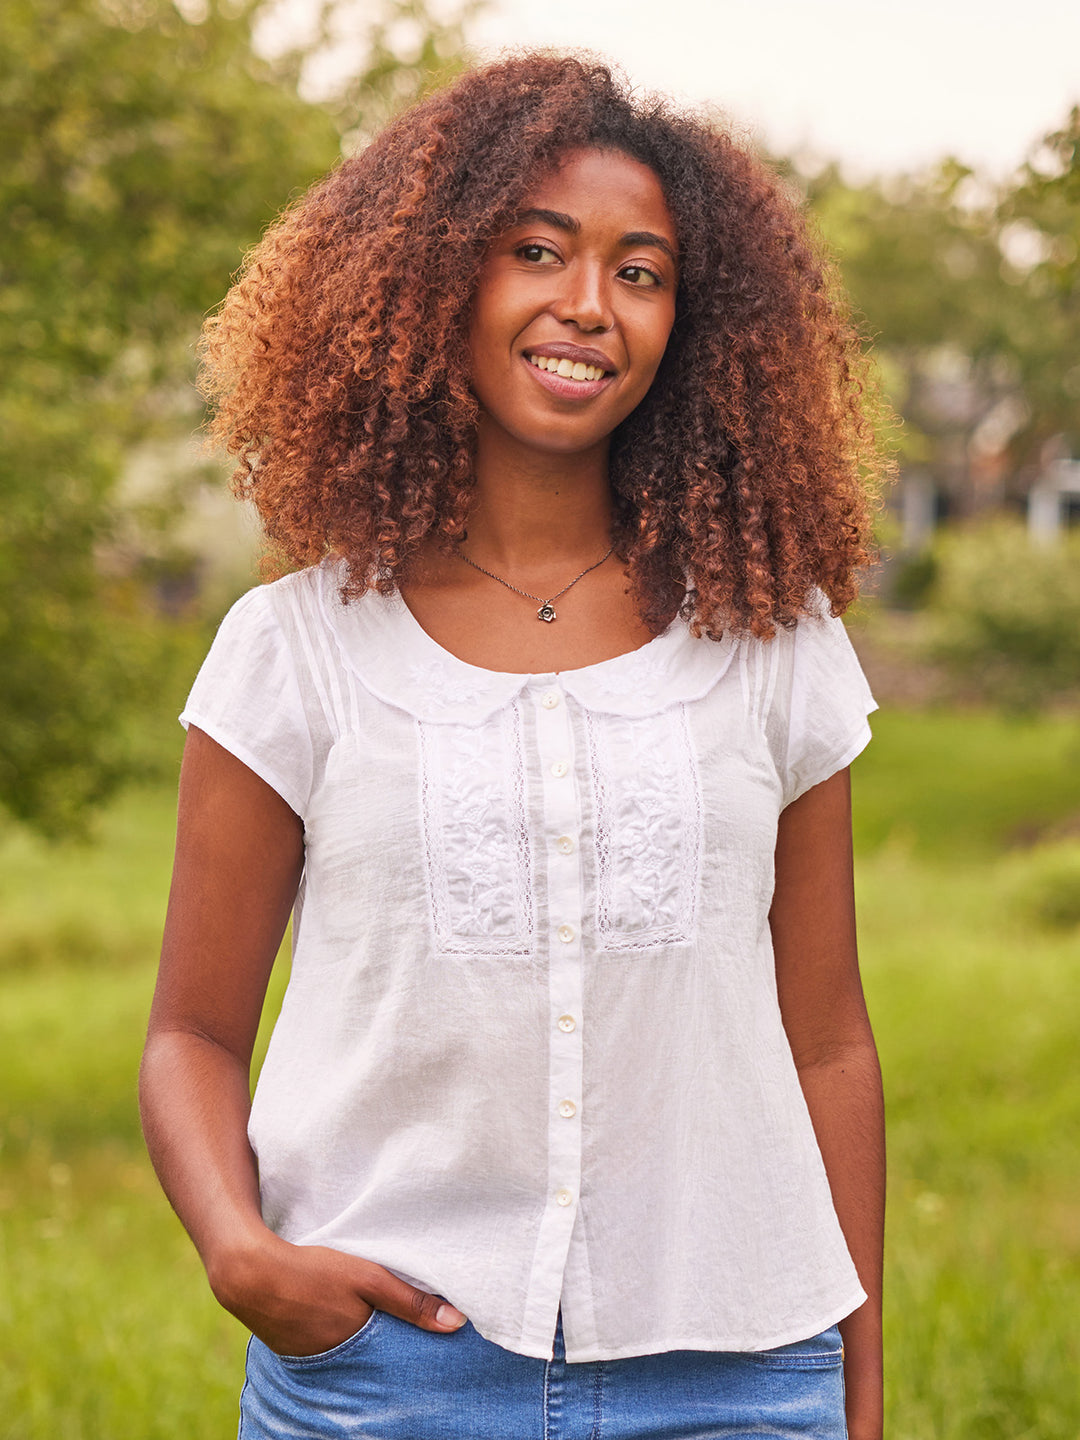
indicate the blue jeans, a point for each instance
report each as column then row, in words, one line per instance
column 392, row 1381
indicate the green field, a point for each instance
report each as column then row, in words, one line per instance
column 107, row 1331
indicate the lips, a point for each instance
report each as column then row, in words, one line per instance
column 565, row 387
column 560, row 350
column 571, row 372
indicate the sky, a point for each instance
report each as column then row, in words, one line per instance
column 881, row 86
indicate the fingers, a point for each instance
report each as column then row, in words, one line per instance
column 386, row 1292
column 301, row 1300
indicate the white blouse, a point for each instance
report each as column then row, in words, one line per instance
column 530, row 1055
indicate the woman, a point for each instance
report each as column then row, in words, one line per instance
column 571, row 1120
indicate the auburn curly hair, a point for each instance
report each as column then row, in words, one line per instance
column 339, row 374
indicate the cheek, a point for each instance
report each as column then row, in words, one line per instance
column 484, row 359
column 481, row 319
column 653, row 343
column 664, row 329
column 493, row 309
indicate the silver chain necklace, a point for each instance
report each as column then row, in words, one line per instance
column 547, row 607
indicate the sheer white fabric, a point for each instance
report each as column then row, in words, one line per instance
column 530, row 1053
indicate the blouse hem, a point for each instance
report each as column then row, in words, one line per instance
column 728, row 1344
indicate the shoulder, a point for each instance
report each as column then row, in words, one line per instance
column 275, row 609
column 265, row 638
column 289, row 593
column 816, row 636
column 820, row 639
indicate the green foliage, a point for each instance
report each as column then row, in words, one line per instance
column 409, row 52
column 1046, row 204
column 976, row 1014
column 912, row 579
column 917, row 263
column 1042, row 215
column 1046, row 885
column 1008, row 613
column 924, row 270
column 142, row 154
column 970, row 293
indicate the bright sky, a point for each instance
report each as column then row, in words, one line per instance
column 881, row 85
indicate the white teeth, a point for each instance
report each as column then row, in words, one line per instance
column 567, row 369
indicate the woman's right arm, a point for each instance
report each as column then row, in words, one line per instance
column 239, row 856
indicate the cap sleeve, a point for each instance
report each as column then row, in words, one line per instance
column 830, row 702
column 247, row 697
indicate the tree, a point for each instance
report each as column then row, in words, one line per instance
column 145, row 147
column 1041, row 219
column 955, row 282
column 925, row 270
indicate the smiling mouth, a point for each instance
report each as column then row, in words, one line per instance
column 567, row 369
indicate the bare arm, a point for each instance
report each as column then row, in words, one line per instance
column 239, row 855
column 821, row 1000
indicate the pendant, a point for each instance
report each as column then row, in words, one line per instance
column 546, row 612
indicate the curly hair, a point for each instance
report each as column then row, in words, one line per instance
column 338, row 363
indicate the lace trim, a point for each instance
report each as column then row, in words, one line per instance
column 648, row 833
column 477, row 854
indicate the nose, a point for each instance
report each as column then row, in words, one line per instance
column 585, row 297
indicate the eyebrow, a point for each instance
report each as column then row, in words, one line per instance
column 561, row 221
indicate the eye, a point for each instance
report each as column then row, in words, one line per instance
column 537, row 254
column 639, row 275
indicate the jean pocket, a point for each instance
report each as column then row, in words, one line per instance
column 819, row 1352
column 336, row 1352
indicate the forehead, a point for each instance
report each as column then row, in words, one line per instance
column 607, row 185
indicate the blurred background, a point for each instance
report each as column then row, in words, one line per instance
column 144, row 145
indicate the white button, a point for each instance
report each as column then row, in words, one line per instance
column 567, row 1109
column 564, row 845
column 559, row 769
column 565, row 933
column 550, row 700
column 567, row 1023
column 563, row 1197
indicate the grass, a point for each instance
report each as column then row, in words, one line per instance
column 977, row 1020
column 107, row 1330
column 964, row 784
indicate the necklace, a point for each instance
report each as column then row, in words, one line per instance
column 547, row 607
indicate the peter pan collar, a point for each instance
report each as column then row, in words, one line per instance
column 395, row 659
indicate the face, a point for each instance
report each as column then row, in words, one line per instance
column 574, row 306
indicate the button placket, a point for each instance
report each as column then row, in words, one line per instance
column 562, row 825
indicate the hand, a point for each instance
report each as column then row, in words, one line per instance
column 303, row 1299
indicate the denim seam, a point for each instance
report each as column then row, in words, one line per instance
column 243, row 1392
column 821, row 1361
column 547, row 1377
column 843, row 1393
column 598, row 1401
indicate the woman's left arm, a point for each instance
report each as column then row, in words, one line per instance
column 824, row 1013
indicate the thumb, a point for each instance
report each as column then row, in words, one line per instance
column 418, row 1307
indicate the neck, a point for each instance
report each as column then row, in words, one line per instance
column 534, row 510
